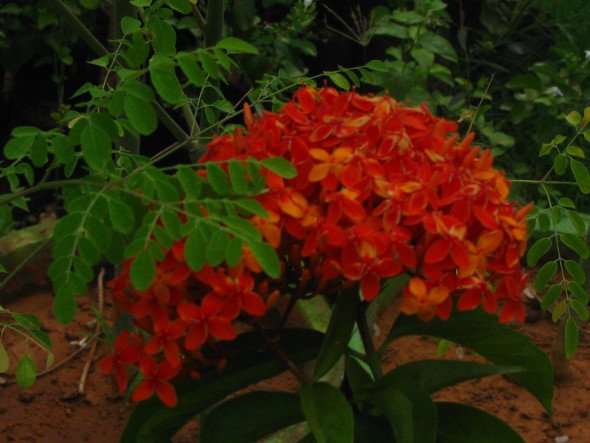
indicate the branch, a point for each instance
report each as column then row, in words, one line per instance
column 100, row 50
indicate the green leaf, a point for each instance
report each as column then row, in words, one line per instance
column 233, row 252
column 578, row 222
column 216, row 247
column 138, row 90
column 26, row 371
column 576, row 244
column 190, row 67
column 566, row 202
column 143, row 271
column 581, row 175
column 26, row 321
column 575, row 270
column 172, row 224
column 560, row 164
column 195, row 249
column 575, row 151
column 573, row 118
column 4, row 359
column 251, row 207
column 551, row 296
column 252, row 361
column 237, row 174
column 545, row 274
column 572, row 337
column 408, row 408
column 18, row 147
column 339, row 331
column 280, row 166
column 232, row 44
column 267, row 258
column 64, row 303
column 459, row 423
column 377, row 65
column 424, row 57
column 250, row 417
column 359, row 377
column 164, row 36
column 163, row 76
column 339, row 80
column 96, row 146
column 579, row 292
column 544, row 222
column 546, row 148
column 42, row 337
column 209, row 64
column 25, row 131
column 580, row 309
column 182, row 6
column 218, row 179
column 141, row 114
column 242, row 227
column 438, row 45
column 328, row 414
column 39, row 151
column 482, row 333
column 190, row 181
column 129, row 25
column 558, row 311
column 435, row 375
column 538, row 250
column 121, row 216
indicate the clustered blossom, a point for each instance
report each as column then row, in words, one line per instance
column 382, row 189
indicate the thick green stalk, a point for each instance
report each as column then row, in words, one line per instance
column 213, row 33
column 100, row 50
column 214, row 29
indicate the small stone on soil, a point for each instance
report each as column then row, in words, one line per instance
column 26, row 397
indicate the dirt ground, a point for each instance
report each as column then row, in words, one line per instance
column 51, row 411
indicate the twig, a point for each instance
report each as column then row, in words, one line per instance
column 86, row 369
column 55, row 366
column 280, row 354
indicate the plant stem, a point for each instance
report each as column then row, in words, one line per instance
column 214, row 29
column 213, row 33
column 24, row 263
column 280, row 354
column 539, row 182
column 367, row 338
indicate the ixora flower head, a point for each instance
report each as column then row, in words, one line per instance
column 381, row 189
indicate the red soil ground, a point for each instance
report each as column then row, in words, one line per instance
column 51, row 410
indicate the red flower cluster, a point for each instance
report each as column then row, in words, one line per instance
column 381, row 190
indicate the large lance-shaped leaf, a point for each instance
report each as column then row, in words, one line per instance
column 435, row 375
column 250, row 417
column 408, row 408
column 482, row 333
column 250, row 362
column 328, row 413
column 339, row 332
column 458, row 423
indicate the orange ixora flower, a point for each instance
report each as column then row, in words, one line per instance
column 381, row 189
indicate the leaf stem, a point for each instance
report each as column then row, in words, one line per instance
column 281, row 354
column 371, row 354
